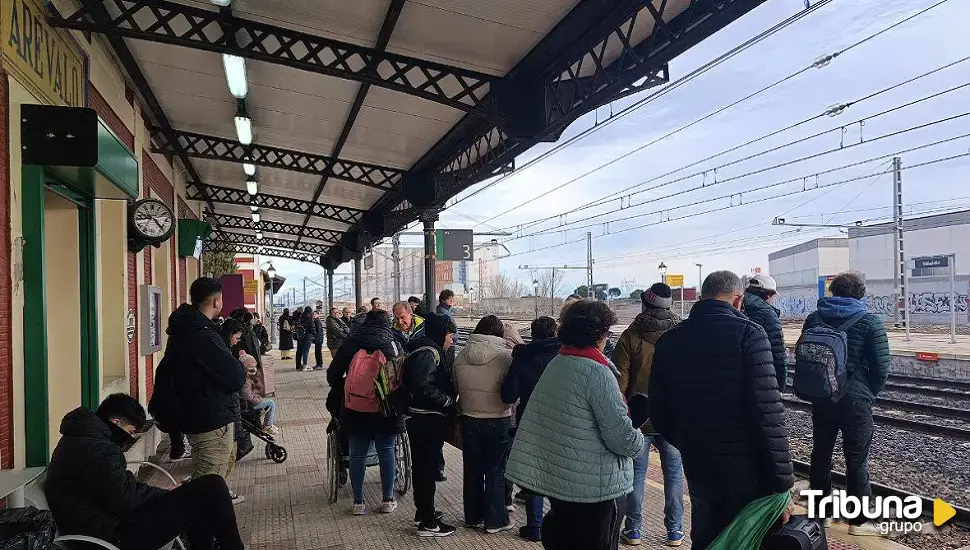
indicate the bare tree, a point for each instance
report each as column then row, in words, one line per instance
column 504, row 287
column 550, row 282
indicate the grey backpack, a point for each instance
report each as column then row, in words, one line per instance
column 820, row 361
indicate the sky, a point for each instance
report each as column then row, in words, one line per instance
column 723, row 220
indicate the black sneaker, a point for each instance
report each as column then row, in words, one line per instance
column 441, row 477
column 519, row 497
column 438, row 529
column 437, row 517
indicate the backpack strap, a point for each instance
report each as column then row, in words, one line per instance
column 852, row 320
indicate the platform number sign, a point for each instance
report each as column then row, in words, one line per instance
column 455, row 245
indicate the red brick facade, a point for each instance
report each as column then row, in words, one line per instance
column 133, row 307
column 112, row 119
column 6, row 292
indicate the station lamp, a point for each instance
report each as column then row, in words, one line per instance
column 221, row 3
column 249, row 169
column 259, row 235
column 662, row 268
column 271, row 271
column 244, row 127
column 254, row 208
column 255, row 217
column 235, row 67
column 251, row 187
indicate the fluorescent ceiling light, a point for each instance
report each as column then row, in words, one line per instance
column 250, row 169
column 254, row 208
column 221, row 3
column 255, row 217
column 259, row 235
column 244, row 129
column 235, row 67
column 251, row 188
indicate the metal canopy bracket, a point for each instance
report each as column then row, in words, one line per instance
column 226, row 195
column 242, row 238
column 204, row 146
column 193, row 27
column 225, row 246
column 326, row 236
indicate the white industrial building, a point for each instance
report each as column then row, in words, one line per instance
column 870, row 250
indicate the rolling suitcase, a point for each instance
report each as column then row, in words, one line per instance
column 800, row 533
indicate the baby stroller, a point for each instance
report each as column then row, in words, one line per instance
column 338, row 462
column 252, row 422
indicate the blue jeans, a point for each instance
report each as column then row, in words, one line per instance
column 270, row 407
column 533, row 513
column 303, row 352
column 485, row 452
column 673, row 469
column 359, row 447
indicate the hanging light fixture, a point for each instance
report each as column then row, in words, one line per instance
column 244, row 124
column 251, row 187
column 249, row 169
column 254, row 208
column 259, row 235
column 235, row 67
column 255, row 217
column 221, row 3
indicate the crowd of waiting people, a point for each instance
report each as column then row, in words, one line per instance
column 550, row 416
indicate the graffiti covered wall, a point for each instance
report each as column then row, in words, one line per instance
column 796, row 302
column 930, row 301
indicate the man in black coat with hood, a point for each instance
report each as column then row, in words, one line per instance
column 714, row 395
column 91, row 492
column 206, row 377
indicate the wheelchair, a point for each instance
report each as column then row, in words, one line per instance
column 338, row 463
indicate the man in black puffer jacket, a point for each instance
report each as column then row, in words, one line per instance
column 91, row 492
column 714, row 396
column 427, row 377
column 758, row 305
column 206, row 377
column 337, row 331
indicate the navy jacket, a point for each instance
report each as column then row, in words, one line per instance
column 528, row 363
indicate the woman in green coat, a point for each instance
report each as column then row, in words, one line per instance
column 576, row 443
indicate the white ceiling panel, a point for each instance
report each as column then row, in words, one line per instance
column 350, row 194
column 357, row 22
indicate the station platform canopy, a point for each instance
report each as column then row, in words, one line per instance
column 354, row 119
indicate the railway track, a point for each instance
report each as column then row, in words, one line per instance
column 928, row 428
column 962, row 517
column 921, row 385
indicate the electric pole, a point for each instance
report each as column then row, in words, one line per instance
column 589, row 265
column 902, row 292
column 396, row 258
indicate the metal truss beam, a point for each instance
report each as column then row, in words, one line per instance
column 226, row 195
column 193, row 27
column 226, row 246
column 204, row 146
column 242, row 238
column 225, row 221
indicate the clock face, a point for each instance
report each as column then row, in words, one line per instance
column 153, row 219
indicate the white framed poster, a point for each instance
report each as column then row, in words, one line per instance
column 151, row 319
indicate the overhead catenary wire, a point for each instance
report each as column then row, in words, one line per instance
column 817, row 63
column 570, row 225
column 711, row 211
column 627, row 191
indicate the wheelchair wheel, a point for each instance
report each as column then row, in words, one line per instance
column 278, row 454
column 333, row 466
column 268, row 451
column 402, row 465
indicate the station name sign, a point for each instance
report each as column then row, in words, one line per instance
column 932, row 261
column 46, row 60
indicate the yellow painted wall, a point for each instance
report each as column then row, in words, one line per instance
column 112, row 295
column 63, row 294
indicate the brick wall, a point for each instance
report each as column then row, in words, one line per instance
column 6, row 292
column 149, row 359
column 133, row 306
column 183, row 284
column 112, row 119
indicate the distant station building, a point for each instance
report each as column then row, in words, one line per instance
column 803, row 271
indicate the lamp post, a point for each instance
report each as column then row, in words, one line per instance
column 271, row 273
column 700, row 278
column 535, row 294
column 663, row 272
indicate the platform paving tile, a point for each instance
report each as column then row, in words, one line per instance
column 287, row 508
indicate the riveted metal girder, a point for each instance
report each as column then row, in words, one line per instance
column 225, row 246
column 204, row 146
column 226, row 195
column 193, row 27
column 243, row 238
column 235, row 222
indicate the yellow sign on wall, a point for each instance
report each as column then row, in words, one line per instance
column 251, row 287
column 675, row 281
column 46, row 60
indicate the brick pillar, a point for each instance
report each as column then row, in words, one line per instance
column 6, row 290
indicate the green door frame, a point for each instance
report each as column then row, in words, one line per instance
column 34, row 180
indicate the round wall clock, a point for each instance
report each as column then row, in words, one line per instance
column 151, row 221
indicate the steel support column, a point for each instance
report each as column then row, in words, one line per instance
column 358, row 291
column 329, row 290
column 428, row 218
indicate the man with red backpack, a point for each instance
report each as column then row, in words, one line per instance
column 363, row 416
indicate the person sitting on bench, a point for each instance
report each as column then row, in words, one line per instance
column 91, row 492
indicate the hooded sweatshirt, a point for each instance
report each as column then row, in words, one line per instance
column 633, row 355
column 867, row 358
column 206, row 375
column 88, row 485
column 480, row 367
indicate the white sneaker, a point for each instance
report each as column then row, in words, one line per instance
column 388, row 506
column 495, row 530
column 359, row 509
column 273, row 430
column 827, row 522
column 867, row 529
column 236, row 499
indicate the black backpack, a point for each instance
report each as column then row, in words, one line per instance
column 164, row 404
column 821, row 370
